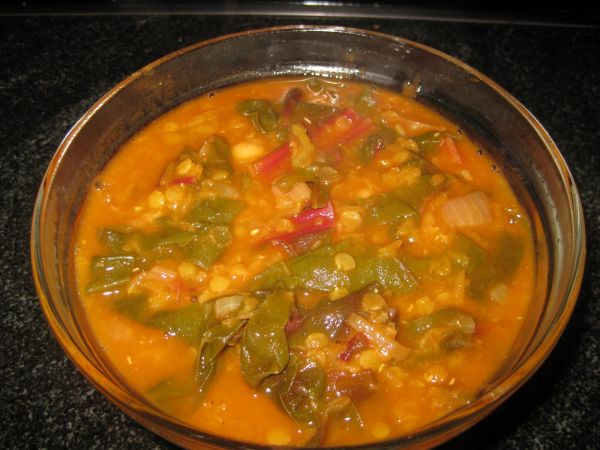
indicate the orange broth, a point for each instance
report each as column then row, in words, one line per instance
column 372, row 142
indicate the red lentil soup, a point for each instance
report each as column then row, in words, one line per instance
column 304, row 262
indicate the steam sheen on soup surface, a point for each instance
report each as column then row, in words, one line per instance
column 304, row 262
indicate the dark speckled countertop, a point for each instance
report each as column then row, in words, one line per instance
column 52, row 68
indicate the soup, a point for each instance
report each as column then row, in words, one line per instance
column 304, row 262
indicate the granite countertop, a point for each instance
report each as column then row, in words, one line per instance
column 52, row 68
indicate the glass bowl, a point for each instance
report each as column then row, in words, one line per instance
column 526, row 153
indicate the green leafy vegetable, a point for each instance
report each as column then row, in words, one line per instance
column 312, row 113
column 442, row 318
column 303, row 390
column 463, row 246
column 454, row 339
column 502, row 261
column 317, row 270
column 109, row 272
column 264, row 348
column 196, row 324
column 112, row 263
column 107, row 282
column 134, row 307
column 261, row 113
column 451, row 329
column 389, row 273
column 368, row 147
column 215, row 155
column 169, row 389
column 462, row 254
column 328, row 317
column 217, row 211
column 375, row 142
column 390, row 211
column 148, row 243
column 290, row 179
column 414, row 194
column 188, row 323
column 320, row 175
column 342, row 409
column 213, row 342
column 429, row 143
column 208, row 247
column 113, row 239
column 176, row 237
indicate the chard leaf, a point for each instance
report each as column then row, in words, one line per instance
column 113, row 239
column 133, row 307
column 317, row 270
column 302, row 391
column 188, row 323
column 108, row 281
column 100, row 264
column 503, row 259
column 444, row 318
column 390, row 211
column 312, row 113
column 272, row 277
column 414, row 194
column 215, row 155
column 261, row 113
column 166, row 390
column 214, row 341
column 369, row 147
column 465, row 246
column 328, row 317
column 217, row 211
column 108, row 273
column 176, row 237
column 429, row 143
column 208, row 247
column 389, row 273
column 264, row 347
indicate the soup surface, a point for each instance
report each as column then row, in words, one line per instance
column 304, row 262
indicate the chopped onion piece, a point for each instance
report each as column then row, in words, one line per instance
column 299, row 192
column 499, row 293
column 415, row 126
column 225, row 306
column 467, row 211
column 384, row 345
column 464, row 323
column 161, row 273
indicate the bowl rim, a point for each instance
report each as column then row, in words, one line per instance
column 484, row 404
